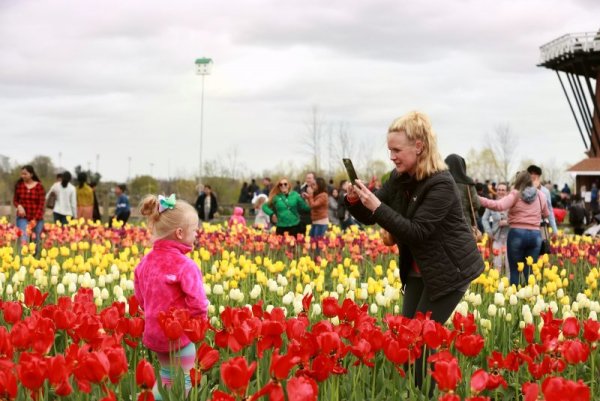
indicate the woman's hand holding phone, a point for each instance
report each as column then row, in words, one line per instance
column 367, row 198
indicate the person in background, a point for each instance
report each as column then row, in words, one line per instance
column 536, row 172
column 261, row 219
column 577, row 215
column 594, row 198
column 346, row 219
column 496, row 226
column 237, row 217
column 29, row 198
column 85, row 198
column 253, row 189
column 206, row 204
column 66, row 200
column 267, row 185
column 526, row 206
column 244, row 194
column 96, row 216
column 466, row 188
column 333, row 207
column 283, row 207
column 318, row 200
column 122, row 208
column 166, row 279
column 309, row 182
column 419, row 205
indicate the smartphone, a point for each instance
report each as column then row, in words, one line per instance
column 350, row 170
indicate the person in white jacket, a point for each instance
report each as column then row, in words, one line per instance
column 66, row 199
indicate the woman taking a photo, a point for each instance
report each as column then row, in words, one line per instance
column 283, row 207
column 318, row 200
column 29, row 199
column 526, row 207
column 419, row 205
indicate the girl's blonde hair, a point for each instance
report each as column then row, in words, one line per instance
column 163, row 224
column 416, row 126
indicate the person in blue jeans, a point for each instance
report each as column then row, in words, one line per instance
column 318, row 200
column 526, row 206
column 29, row 199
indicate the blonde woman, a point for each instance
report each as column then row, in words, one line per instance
column 420, row 206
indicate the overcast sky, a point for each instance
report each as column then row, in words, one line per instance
column 117, row 78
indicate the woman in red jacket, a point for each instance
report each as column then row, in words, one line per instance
column 29, row 199
column 318, row 200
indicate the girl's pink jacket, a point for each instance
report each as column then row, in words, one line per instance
column 167, row 278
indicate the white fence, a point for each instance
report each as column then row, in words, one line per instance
column 569, row 44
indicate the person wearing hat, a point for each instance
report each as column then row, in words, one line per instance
column 536, row 172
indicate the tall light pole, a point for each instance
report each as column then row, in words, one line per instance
column 203, row 68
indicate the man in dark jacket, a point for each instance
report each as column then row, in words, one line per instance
column 206, row 204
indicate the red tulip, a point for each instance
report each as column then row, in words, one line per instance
column 20, row 336
column 531, row 391
column 574, row 351
column 64, row 319
column 591, row 330
column 570, row 327
column 136, row 327
column 479, row 381
column 195, row 377
column 34, row 297
column 195, row 328
column 559, row 389
column 173, row 329
column 6, row 346
column 302, row 389
column 32, row 371
column 464, row 324
column 331, row 307
column 306, row 302
column 236, row 374
column 118, row 363
column 221, row 396
column 93, row 366
column 207, row 357
column 447, row 374
column 8, row 385
column 110, row 318
column 134, row 305
column 449, row 397
column 469, row 344
column 281, row 365
column 12, row 312
column 144, row 375
column 146, row 396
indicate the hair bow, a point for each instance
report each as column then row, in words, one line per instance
column 165, row 203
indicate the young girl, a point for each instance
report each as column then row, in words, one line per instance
column 167, row 278
column 237, row 217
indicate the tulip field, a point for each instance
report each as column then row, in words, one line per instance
column 291, row 320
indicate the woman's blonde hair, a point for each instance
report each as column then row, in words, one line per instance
column 163, row 224
column 416, row 126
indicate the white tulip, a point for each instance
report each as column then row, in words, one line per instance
column 72, row 287
column 218, row 289
column 499, row 299
column 256, row 290
column 9, row 289
column 53, row 280
column 508, row 317
column 221, row 309
column 269, row 308
column 334, row 294
column 492, row 310
column 340, row 288
column 373, row 309
column 288, row 298
column 104, row 294
column 335, row 321
column 593, row 315
column 513, row 300
column 96, row 292
column 316, row 310
column 60, row 289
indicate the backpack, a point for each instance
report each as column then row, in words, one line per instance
column 577, row 215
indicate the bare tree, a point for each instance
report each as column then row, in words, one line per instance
column 503, row 144
column 312, row 140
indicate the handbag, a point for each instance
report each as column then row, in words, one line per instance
column 51, row 201
column 388, row 239
column 474, row 229
column 545, row 249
